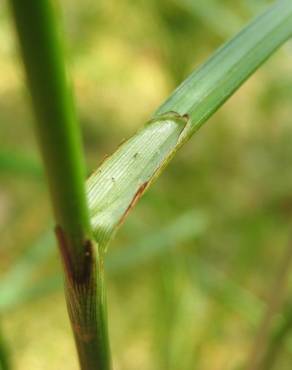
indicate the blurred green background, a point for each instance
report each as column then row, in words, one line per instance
column 189, row 273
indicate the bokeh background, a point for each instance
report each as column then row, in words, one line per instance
column 189, row 273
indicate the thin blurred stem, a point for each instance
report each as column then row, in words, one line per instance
column 278, row 338
column 60, row 142
column 276, row 294
column 4, row 355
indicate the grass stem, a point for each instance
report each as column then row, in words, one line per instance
column 60, row 142
column 275, row 299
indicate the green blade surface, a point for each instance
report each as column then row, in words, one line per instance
column 120, row 181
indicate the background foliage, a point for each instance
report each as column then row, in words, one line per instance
column 189, row 273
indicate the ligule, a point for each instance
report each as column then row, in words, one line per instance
column 115, row 187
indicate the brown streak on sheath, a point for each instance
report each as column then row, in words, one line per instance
column 85, row 335
column 87, row 264
column 80, row 288
column 135, row 199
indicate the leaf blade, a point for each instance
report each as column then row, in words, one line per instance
column 184, row 112
column 209, row 86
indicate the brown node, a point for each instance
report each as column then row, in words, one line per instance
column 82, row 273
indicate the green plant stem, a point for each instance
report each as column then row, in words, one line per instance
column 276, row 344
column 4, row 355
column 276, row 294
column 60, row 142
column 56, row 124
